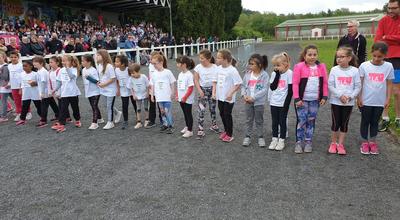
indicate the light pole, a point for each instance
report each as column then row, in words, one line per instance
column 170, row 16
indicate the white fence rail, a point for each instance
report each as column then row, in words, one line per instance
column 331, row 37
column 186, row 49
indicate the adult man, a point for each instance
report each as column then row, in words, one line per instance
column 354, row 40
column 389, row 32
column 54, row 45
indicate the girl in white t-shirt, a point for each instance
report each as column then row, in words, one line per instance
column 205, row 74
column 279, row 99
column 121, row 71
column 30, row 90
column 92, row 91
column 185, row 97
column 376, row 79
column 5, row 89
column 15, row 70
column 162, row 86
column 108, row 86
column 227, row 83
column 68, row 91
column 344, row 85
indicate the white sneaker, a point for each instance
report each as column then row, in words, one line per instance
column 184, row 130
column 100, row 121
column 273, row 144
column 138, row 125
column 146, row 123
column 280, row 145
column 187, row 134
column 28, row 116
column 93, row 126
column 17, row 117
column 109, row 125
column 118, row 117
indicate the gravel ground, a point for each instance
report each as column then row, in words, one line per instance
column 142, row 174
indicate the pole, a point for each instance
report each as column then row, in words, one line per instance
column 170, row 17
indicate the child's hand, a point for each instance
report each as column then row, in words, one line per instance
column 344, row 99
column 201, row 94
column 299, row 104
column 214, row 97
column 322, row 102
column 32, row 83
column 101, row 85
column 360, row 103
column 387, row 103
column 20, row 91
column 118, row 92
column 184, row 99
column 135, row 98
column 228, row 98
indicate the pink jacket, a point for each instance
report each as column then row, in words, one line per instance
column 301, row 72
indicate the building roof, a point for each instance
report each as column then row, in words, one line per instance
column 331, row 20
column 120, row 5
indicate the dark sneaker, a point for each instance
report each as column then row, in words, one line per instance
column 397, row 124
column 163, row 129
column 170, row 130
column 383, row 125
column 150, row 125
column 124, row 125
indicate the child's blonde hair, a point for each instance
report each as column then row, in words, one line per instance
column 105, row 56
column 74, row 61
column 281, row 58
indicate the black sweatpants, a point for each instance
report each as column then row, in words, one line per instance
column 45, row 103
column 125, row 106
column 94, row 103
column 65, row 102
column 25, row 108
column 225, row 111
column 152, row 111
column 340, row 117
column 187, row 112
column 370, row 116
column 279, row 117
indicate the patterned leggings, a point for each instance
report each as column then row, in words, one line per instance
column 202, row 103
column 306, row 116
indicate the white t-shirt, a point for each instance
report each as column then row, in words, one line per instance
column 15, row 75
column 29, row 92
column 311, row 93
column 91, row 89
column 140, row 86
column 43, row 75
column 123, row 77
column 3, row 88
column 207, row 75
column 111, row 89
column 53, row 80
column 161, row 82
column 278, row 96
column 185, row 80
column 151, row 70
column 374, row 88
column 343, row 82
column 68, row 85
column 252, row 83
column 226, row 79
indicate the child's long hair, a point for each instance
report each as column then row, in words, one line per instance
column 281, row 58
column 304, row 52
column 208, row 55
column 74, row 62
column 105, row 56
column 123, row 60
column 4, row 56
column 349, row 52
column 57, row 60
column 160, row 58
column 380, row 46
column 227, row 55
column 89, row 58
column 186, row 60
column 261, row 61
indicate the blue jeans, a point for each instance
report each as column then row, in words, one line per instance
column 306, row 116
column 166, row 113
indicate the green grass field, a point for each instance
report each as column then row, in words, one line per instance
column 326, row 51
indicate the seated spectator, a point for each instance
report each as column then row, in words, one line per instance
column 13, row 46
column 54, row 45
column 99, row 43
column 36, row 47
column 78, row 45
column 3, row 47
column 25, row 48
column 70, row 47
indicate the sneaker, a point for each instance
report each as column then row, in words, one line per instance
column 273, row 144
column 68, row 120
column 109, row 125
column 383, row 125
column 146, row 123
column 184, row 130
column 373, row 146
column 150, row 125
column 78, row 124
column 138, row 125
column 41, row 124
column 280, row 145
column 54, row 119
column 93, row 126
column 118, row 117
column 170, row 130
column 28, row 116
column 222, row 135
column 261, row 142
column 17, row 117
column 200, row 134
column 397, row 124
column 308, row 147
column 298, row 149
column 188, row 134
column 215, row 128
column 341, row 150
column 61, row 129
column 20, row 122
column 100, row 121
column 163, row 128
column 333, row 148
column 3, row 119
column 56, row 126
column 227, row 139
column 124, row 125
column 246, row 142
column 364, row 148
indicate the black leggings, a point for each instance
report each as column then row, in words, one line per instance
column 65, row 102
column 46, row 102
column 340, row 117
column 187, row 112
column 25, row 108
column 125, row 105
column 370, row 116
column 152, row 111
column 279, row 117
column 94, row 103
column 225, row 111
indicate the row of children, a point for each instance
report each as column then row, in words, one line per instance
column 216, row 85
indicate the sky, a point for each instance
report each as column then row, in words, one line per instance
column 313, row 6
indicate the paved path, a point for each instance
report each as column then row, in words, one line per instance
column 146, row 175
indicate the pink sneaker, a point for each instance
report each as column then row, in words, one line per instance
column 20, row 122
column 332, row 148
column 364, row 148
column 341, row 150
column 222, row 135
column 373, row 148
column 3, row 119
column 227, row 139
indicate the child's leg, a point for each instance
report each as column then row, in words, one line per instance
column 202, row 104
column 344, row 122
column 4, row 97
column 54, row 106
column 212, row 103
column 162, row 113
column 17, row 100
column 44, row 109
column 301, row 114
column 110, row 107
column 25, row 109
column 146, row 108
column 376, row 115
column 152, row 111
column 221, row 113
column 75, row 107
column 184, row 112
column 283, row 122
column 228, row 118
column 92, row 101
column 366, row 114
column 38, row 106
column 275, row 121
column 125, row 105
column 133, row 103
column 168, row 113
column 336, row 118
column 96, row 103
column 250, row 112
column 138, row 104
column 313, row 107
column 259, row 118
column 189, row 116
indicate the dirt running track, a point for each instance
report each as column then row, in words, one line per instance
column 142, row 174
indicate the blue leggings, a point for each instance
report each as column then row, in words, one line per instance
column 166, row 113
column 306, row 116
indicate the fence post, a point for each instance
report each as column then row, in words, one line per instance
column 191, row 49
column 137, row 58
column 184, row 49
column 213, row 46
column 175, row 52
column 165, row 50
column 198, row 48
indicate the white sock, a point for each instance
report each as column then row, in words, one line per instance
column 386, row 118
